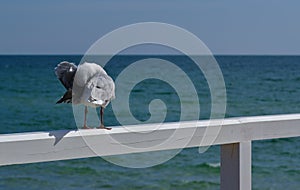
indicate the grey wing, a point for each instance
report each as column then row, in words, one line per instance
column 65, row 72
column 103, row 89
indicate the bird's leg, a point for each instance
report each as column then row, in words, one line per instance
column 85, row 113
column 102, row 120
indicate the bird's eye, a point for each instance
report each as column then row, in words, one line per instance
column 98, row 87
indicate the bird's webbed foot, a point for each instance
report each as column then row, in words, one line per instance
column 86, row 127
column 103, row 127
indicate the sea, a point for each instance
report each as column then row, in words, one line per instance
column 255, row 85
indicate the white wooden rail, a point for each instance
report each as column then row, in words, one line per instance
column 234, row 137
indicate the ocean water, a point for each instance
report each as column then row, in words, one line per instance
column 255, row 85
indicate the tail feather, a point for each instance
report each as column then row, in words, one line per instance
column 66, row 98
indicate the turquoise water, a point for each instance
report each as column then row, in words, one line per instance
column 256, row 85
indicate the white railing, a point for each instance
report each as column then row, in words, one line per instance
column 234, row 137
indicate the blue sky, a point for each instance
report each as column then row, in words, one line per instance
column 226, row 27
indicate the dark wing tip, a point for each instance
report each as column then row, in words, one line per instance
column 67, row 97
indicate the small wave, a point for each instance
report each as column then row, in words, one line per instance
column 137, row 90
column 214, row 165
column 66, row 170
column 194, row 184
column 274, row 79
column 210, row 165
column 164, row 93
column 281, row 140
column 293, row 171
column 19, row 182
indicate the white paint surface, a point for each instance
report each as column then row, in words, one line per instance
column 61, row 145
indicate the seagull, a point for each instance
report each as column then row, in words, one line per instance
column 86, row 84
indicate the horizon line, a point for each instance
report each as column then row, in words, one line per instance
column 146, row 54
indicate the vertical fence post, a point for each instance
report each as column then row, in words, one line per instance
column 236, row 166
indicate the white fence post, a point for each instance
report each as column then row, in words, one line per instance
column 236, row 166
